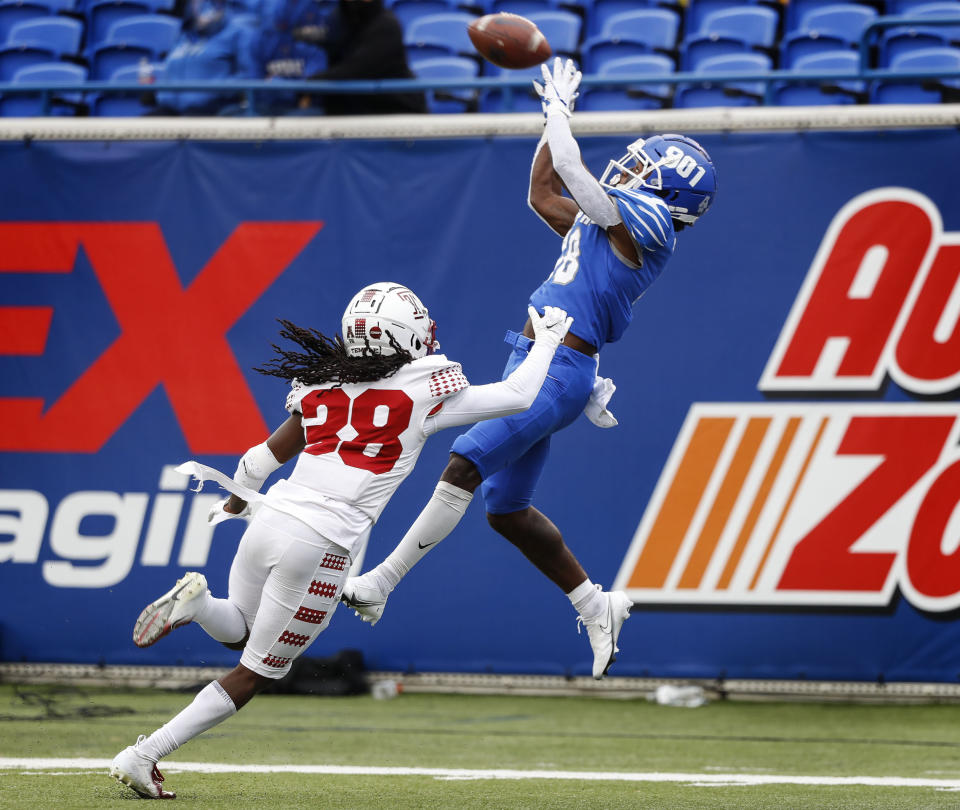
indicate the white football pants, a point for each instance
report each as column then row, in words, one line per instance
column 286, row 580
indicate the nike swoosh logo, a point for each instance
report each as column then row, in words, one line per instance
column 359, row 602
column 421, row 545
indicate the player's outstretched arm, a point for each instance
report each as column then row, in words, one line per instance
column 367, row 594
column 519, row 390
column 545, row 195
column 557, row 94
column 258, row 462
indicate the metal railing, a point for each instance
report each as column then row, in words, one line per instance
column 247, row 90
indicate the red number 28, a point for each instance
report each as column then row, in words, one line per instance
column 377, row 416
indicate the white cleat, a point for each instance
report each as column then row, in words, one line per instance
column 603, row 632
column 139, row 773
column 175, row 608
column 365, row 598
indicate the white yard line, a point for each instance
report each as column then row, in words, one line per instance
column 711, row 779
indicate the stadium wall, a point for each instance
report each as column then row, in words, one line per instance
column 780, row 497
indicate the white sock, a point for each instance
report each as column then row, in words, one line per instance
column 212, row 705
column 439, row 517
column 588, row 600
column 221, row 619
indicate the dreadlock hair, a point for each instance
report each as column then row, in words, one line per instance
column 325, row 360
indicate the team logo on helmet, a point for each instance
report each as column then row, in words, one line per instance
column 673, row 167
column 392, row 315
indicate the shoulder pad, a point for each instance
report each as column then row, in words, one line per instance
column 646, row 217
column 444, row 376
column 447, row 380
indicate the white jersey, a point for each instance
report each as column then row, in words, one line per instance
column 362, row 439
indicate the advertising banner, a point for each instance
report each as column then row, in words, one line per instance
column 780, row 498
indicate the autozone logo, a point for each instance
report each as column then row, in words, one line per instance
column 161, row 326
column 817, row 503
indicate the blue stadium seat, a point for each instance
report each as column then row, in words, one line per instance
column 828, row 28
column 517, row 99
column 923, row 91
column 409, row 10
column 60, row 6
column 133, row 40
column 561, row 28
column 901, row 39
column 61, row 36
column 897, row 42
column 39, row 41
column 844, row 20
column 755, row 25
column 696, row 51
column 822, row 93
column 522, row 7
column 439, row 35
column 658, row 27
column 102, row 14
column 631, row 33
column 158, row 32
column 734, row 94
column 597, row 51
column 12, row 13
column 641, row 97
column 905, row 7
column 46, row 74
column 730, row 31
column 108, row 58
column 599, row 11
column 124, row 105
column 15, row 57
column 796, row 10
column 698, row 10
column 454, row 100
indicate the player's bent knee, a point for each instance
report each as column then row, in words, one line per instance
column 462, row 473
column 237, row 646
column 507, row 523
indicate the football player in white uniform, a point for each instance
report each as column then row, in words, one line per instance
column 361, row 407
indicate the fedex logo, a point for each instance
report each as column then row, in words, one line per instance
column 169, row 335
column 828, row 504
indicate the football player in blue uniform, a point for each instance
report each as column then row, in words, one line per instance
column 618, row 234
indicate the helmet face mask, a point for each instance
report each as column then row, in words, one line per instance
column 674, row 167
column 383, row 311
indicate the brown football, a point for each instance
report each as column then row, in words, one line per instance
column 509, row 40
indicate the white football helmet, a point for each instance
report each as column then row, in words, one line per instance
column 387, row 307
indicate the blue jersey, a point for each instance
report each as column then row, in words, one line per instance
column 592, row 283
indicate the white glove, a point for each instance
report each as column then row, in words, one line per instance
column 559, row 89
column 596, row 408
column 551, row 328
column 218, row 514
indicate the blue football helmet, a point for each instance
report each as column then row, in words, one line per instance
column 674, row 167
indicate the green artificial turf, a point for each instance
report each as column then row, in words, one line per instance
column 486, row 733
